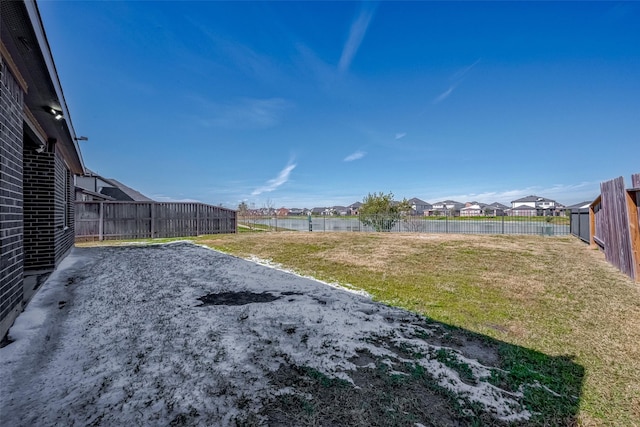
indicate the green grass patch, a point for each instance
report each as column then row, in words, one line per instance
column 554, row 297
column 563, row 318
column 449, row 359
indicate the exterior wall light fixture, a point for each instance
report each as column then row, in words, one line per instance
column 55, row 113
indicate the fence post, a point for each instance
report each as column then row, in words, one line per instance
column 198, row 219
column 101, row 222
column 592, row 222
column 503, row 223
column 634, row 231
column 446, row 223
column 152, row 215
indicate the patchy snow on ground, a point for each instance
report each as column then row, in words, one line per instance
column 159, row 334
column 271, row 264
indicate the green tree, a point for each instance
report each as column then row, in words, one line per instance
column 242, row 209
column 381, row 212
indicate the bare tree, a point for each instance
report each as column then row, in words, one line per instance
column 244, row 215
column 268, row 207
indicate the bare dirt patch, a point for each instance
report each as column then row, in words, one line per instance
column 236, row 298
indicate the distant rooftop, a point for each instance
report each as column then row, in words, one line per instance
column 135, row 195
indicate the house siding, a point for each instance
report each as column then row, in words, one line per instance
column 11, row 198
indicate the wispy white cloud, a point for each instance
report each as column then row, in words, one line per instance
column 309, row 63
column 457, row 79
column 444, row 95
column 401, row 135
column 459, row 75
column 239, row 57
column 276, row 182
column 356, row 35
column 248, row 112
column 355, row 156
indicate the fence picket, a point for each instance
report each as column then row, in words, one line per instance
column 97, row 220
column 615, row 219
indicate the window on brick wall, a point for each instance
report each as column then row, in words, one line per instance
column 66, row 199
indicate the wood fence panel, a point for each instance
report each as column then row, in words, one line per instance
column 633, row 204
column 139, row 220
column 612, row 226
column 87, row 222
column 633, row 211
column 599, row 221
column 635, row 183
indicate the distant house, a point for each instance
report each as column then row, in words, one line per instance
column 119, row 191
column 578, row 206
column 92, row 186
column 447, row 208
column 472, row 209
column 567, row 210
column 543, row 206
column 318, row 211
column 339, row 210
column 418, row 207
column 495, row 209
column 523, row 210
column 296, row 212
column 266, row 211
column 354, row 208
column 84, row 195
column 282, row 211
column 39, row 155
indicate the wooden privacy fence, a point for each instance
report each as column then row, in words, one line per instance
column 615, row 224
column 139, row 220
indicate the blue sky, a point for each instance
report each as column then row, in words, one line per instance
column 305, row 104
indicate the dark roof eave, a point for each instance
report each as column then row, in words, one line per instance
column 70, row 147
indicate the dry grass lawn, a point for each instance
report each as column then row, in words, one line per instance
column 552, row 295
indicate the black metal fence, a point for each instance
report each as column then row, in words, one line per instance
column 546, row 226
column 580, row 226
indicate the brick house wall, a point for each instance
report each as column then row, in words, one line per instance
column 64, row 219
column 11, row 197
column 39, row 189
column 38, row 156
column 48, row 210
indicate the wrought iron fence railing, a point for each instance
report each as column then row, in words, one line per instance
column 547, row 226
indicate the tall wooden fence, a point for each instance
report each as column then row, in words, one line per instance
column 615, row 224
column 139, row 220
